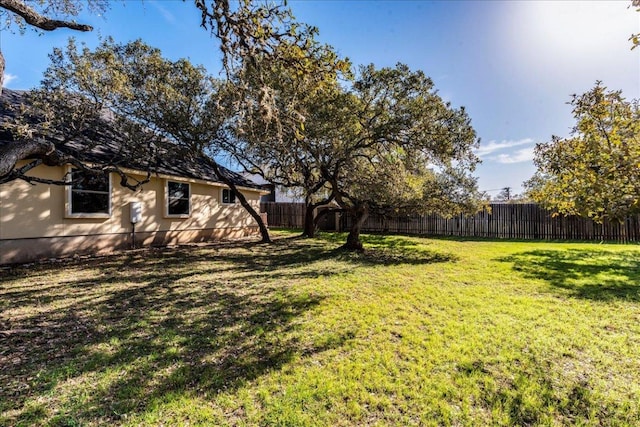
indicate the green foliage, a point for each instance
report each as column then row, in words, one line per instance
column 595, row 172
column 397, row 147
column 384, row 141
column 125, row 94
column 404, row 149
column 276, row 121
column 176, row 105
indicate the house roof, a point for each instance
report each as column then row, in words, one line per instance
column 105, row 146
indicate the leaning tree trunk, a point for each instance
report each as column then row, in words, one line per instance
column 264, row 231
column 360, row 214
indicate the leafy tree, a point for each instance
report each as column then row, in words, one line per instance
column 395, row 147
column 244, row 31
column 386, row 143
column 277, row 126
column 596, row 172
column 163, row 107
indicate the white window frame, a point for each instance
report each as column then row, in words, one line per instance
column 166, row 199
column 235, row 201
column 69, row 200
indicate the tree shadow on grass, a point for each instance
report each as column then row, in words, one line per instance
column 157, row 338
column 384, row 249
column 93, row 340
column 590, row 274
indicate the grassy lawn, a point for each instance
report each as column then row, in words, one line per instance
column 413, row 332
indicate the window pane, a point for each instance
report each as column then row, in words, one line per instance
column 82, row 202
column 89, row 193
column 177, row 198
column 85, row 181
column 178, row 190
column 228, row 196
column 179, row 207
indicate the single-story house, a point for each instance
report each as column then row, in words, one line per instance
column 183, row 202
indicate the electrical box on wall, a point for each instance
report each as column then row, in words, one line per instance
column 136, row 212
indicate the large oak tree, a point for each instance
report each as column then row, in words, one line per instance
column 384, row 143
column 278, row 126
column 397, row 148
column 244, row 29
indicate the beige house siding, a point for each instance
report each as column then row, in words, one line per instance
column 34, row 222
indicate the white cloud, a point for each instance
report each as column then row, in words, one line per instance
column 494, row 146
column 8, row 78
column 519, row 156
column 168, row 16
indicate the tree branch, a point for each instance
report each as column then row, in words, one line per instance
column 12, row 152
column 32, row 17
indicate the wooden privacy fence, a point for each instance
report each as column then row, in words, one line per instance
column 289, row 215
column 502, row 221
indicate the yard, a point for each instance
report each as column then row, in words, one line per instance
column 413, row 332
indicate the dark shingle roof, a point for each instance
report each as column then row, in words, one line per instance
column 105, row 148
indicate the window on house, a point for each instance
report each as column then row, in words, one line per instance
column 89, row 194
column 228, row 197
column 178, row 198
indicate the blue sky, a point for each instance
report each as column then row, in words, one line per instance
column 512, row 64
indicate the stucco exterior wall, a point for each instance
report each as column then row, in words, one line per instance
column 34, row 222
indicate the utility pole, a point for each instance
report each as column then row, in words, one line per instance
column 507, row 193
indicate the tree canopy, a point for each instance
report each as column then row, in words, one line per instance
column 384, row 142
column 247, row 30
column 596, row 171
column 398, row 148
column 244, row 30
column 277, row 123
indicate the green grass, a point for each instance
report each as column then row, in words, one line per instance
column 413, row 332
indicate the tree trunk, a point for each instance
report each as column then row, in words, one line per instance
column 311, row 220
column 309, row 223
column 264, row 231
column 360, row 214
